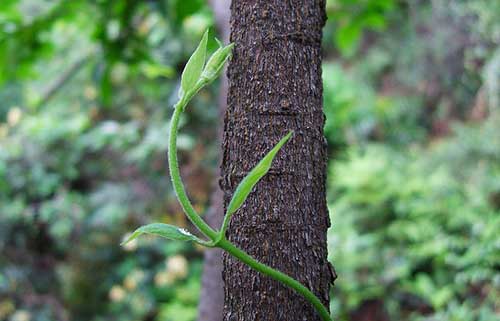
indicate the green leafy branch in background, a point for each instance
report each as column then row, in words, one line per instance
column 195, row 76
column 352, row 18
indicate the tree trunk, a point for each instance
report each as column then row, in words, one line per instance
column 212, row 293
column 275, row 86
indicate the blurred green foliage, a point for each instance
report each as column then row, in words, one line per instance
column 86, row 92
column 419, row 227
column 411, row 101
column 352, row 18
column 412, row 123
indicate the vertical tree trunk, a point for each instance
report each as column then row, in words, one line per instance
column 275, row 86
column 212, row 293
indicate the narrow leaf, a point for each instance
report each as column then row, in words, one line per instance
column 164, row 230
column 194, row 66
column 246, row 185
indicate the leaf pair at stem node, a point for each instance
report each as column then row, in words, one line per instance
column 195, row 76
column 196, row 73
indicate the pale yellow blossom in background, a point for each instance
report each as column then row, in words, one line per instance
column 133, row 279
column 177, row 265
column 14, row 116
column 21, row 315
column 176, row 268
column 117, row 293
column 163, row 278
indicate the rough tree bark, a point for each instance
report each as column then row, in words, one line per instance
column 212, row 293
column 275, row 86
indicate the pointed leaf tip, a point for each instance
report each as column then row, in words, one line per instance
column 170, row 232
column 253, row 177
column 194, row 66
column 219, row 42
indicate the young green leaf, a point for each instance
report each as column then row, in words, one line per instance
column 164, row 230
column 194, row 67
column 216, row 63
column 246, row 185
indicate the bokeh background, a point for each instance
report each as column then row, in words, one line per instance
column 412, row 100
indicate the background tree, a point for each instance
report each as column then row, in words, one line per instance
column 275, row 86
column 212, row 292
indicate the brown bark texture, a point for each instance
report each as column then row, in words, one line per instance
column 275, row 86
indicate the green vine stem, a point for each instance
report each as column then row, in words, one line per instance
column 197, row 74
column 277, row 275
column 219, row 240
column 175, row 176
